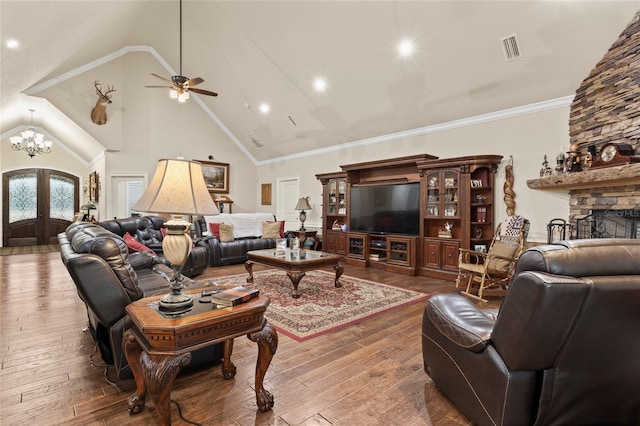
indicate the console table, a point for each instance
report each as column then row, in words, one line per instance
column 158, row 345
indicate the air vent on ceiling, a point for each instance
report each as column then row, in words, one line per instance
column 510, row 47
column 254, row 140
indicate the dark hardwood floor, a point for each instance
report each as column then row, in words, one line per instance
column 368, row 374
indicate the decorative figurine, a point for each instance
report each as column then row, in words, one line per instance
column 560, row 162
column 573, row 161
column 546, row 171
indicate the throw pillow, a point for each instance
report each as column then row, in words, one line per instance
column 281, row 222
column 499, row 264
column 270, row 229
column 214, row 228
column 135, row 245
column 226, row 233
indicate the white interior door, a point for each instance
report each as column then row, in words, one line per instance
column 287, row 198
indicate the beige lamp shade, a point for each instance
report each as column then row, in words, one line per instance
column 303, row 204
column 177, row 187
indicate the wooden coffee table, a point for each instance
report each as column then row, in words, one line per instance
column 295, row 268
column 158, row 345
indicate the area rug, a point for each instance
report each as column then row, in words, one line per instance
column 322, row 308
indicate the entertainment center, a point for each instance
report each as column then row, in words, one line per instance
column 409, row 215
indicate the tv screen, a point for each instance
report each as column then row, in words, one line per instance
column 385, row 209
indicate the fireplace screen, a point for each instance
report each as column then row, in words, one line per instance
column 609, row 224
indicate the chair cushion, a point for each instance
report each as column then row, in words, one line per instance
column 271, row 229
column 504, row 250
column 226, row 233
column 135, row 245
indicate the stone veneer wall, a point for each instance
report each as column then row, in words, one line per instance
column 606, row 108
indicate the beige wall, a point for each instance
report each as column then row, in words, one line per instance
column 526, row 137
column 144, row 125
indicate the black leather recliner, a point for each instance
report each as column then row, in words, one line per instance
column 108, row 278
column 563, row 350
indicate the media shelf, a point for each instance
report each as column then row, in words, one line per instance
column 456, row 210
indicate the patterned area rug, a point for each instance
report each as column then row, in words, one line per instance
column 322, row 308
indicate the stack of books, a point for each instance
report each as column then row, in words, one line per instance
column 482, row 214
column 234, row 296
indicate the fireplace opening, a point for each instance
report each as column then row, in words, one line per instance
column 609, row 224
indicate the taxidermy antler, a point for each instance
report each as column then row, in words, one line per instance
column 99, row 112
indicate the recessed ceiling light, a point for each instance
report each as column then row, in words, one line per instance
column 12, row 43
column 320, row 84
column 406, row 47
column 265, row 108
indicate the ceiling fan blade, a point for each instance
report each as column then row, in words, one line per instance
column 161, row 78
column 203, row 92
column 195, row 81
column 160, row 87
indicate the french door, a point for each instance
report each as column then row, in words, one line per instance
column 37, row 204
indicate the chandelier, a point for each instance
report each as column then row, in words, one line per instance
column 31, row 141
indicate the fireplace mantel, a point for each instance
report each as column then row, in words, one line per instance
column 628, row 174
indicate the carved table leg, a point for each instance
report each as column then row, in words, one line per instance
column 228, row 369
column 159, row 373
column 339, row 270
column 267, row 340
column 248, row 265
column 295, row 278
column 132, row 351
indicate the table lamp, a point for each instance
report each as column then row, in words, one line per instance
column 303, row 204
column 177, row 188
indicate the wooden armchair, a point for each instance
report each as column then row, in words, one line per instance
column 492, row 271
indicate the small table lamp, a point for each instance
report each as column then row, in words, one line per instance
column 303, row 204
column 177, row 188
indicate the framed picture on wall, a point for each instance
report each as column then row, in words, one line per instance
column 93, row 187
column 266, row 194
column 216, row 176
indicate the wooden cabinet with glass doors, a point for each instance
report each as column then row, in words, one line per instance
column 335, row 211
column 457, row 210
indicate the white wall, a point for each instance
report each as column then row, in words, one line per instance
column 145, row 125
column 526, row 137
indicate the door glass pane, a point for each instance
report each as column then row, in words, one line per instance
column 23, row 198
column 61, row 199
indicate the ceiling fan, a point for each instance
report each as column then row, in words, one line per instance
column 181, row 85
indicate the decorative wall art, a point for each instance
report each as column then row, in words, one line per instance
column 216, row 176
column 94, row 186
column 266, row 194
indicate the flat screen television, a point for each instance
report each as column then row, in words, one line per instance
column 385, row 209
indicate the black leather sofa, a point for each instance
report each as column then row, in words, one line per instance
column 108, row 278
column 563, row 350
column 148, row 231
column 231, row 252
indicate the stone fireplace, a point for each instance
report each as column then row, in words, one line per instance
column 605, row 109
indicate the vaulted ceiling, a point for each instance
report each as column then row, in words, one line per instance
column 252, row 52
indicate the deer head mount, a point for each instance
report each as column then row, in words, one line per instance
column 99, row 112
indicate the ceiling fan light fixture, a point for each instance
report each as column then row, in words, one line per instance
column 181, row 85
